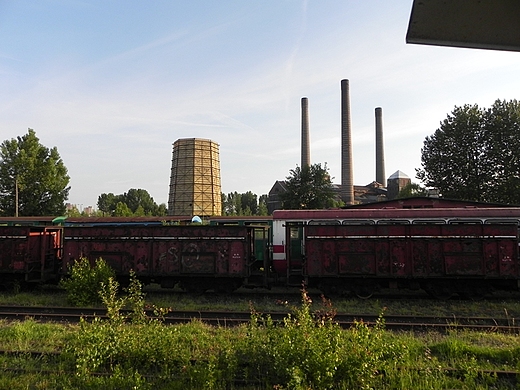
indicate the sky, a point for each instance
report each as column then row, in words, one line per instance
column 112, row 84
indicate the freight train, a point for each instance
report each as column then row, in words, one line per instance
column 470, row 251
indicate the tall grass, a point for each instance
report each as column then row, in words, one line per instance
column 307, row 351
column 314, row 352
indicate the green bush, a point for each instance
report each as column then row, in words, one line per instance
column 84, row 282
column 313, row 352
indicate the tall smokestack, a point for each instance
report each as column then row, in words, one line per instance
column 306, row 153
column 380, row 152
column 347, row 182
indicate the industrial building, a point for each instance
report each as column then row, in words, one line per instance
column 195, row 187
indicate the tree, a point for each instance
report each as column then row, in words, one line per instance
column 412, row 190
column 73, row 212
column 503, row 152
column 122, row 210
column 309, row 187
column 161, row 210
column 37, row 173
column 139, row 212
column 232, row 203
column 475, row 154
column 106, row 203
column 249, row 203
column 139, row 197
column 262, row 205
column 245, row 204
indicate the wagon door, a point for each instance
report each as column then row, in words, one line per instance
column 357, row 250
column 44, row 248
column 334, row 250
column 294, row 253
column 13, row 251
column 258, row 261
column 500, row 250
column 51, row 253
column 462, row 248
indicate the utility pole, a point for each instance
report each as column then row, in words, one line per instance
column 16, row 197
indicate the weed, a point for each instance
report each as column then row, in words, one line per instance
column 311, row 351
column 83, row 284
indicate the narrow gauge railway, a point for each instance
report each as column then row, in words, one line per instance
column 234, row 318
column 444, row 249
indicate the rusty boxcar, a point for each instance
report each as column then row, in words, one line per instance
column 443, row 251
column 30, row 254
column 469, row 259
column 199, row 258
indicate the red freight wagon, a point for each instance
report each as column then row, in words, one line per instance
column 29, row 254
column 288, row 225
column 198, row 257
column 465, row 258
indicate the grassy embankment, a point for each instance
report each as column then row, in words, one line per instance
column 309, row 352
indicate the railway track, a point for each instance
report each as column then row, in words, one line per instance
column 234, row 318
column 505, row 376
column 295, row 292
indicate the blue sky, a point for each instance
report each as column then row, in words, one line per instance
column 112, row 84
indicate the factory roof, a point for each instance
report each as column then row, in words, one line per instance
column 399, row 175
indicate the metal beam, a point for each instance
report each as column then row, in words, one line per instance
column 481, row 24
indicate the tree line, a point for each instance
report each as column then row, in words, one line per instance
column 138, row 202
column 474, row 155
column 246, row 203
column 134, row 203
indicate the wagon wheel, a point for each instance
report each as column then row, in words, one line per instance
column 193, row 287
column 439, row 291
column 364, row 292
column 474, row 293
column 329, row 290
column 479, row 293
column 227, row 286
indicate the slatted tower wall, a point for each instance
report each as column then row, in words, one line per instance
column 195, row 178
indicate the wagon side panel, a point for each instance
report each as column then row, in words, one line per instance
column 14, row 249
